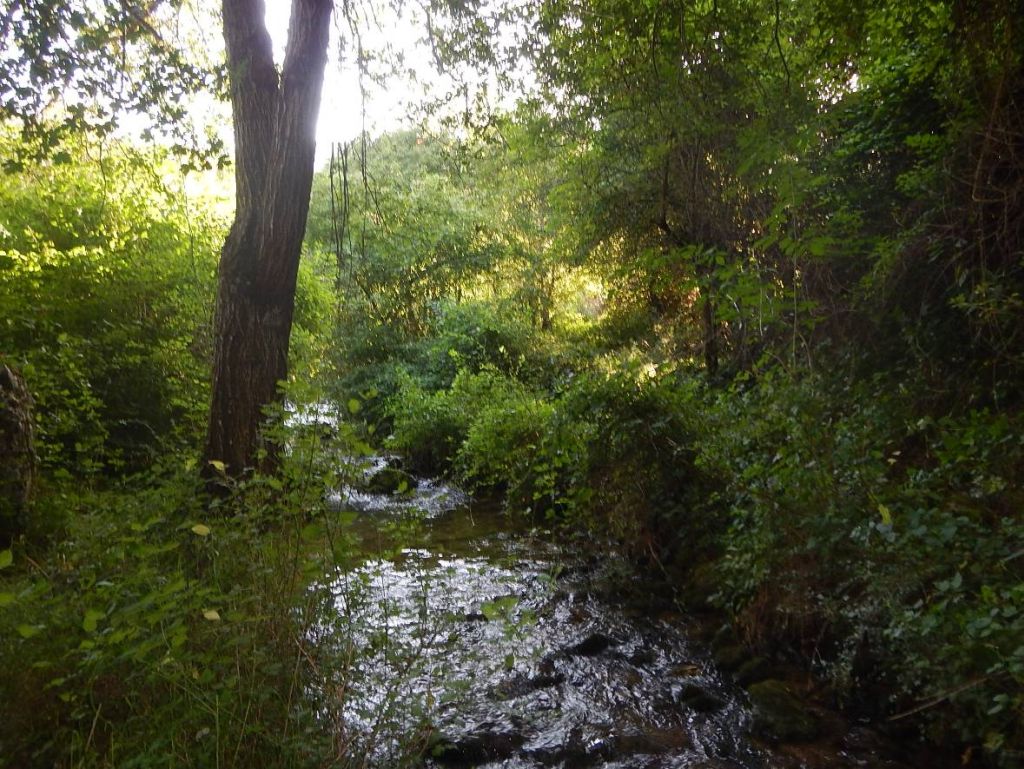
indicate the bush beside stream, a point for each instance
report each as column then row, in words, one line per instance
column 839, row 522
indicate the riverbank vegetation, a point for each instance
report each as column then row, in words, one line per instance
column 742, row 293
column 736, row 290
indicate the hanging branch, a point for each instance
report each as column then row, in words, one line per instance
column 778, row 44
column 339, row 224
column 334, row 215
column 346, row 203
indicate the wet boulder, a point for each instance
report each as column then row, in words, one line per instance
column 779, row 716
column 592, row 645
column 727, row 650
column 17, row 455
column 700, row 699
column 724, row 637
column 697, row 586
column 489, row 742
column 390, row 480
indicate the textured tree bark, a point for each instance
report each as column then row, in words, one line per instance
column 274, row 115
column 17, row 455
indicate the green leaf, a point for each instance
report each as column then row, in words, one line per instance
column 219, row 466
column 27, row 631
column 354, row 405
column 886, row 514
column 6, row 558
column 818, row 246
column 201, row 529
column 312, row 532
column 6, row 599
column 211, row 614
column 92, row 617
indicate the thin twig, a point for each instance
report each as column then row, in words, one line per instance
column 92, row 729
column 940, row 699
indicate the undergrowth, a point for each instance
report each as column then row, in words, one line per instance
column 842, row 522
column 169, row 628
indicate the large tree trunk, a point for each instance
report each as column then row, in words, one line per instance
column 17, row 455
column 274, row 124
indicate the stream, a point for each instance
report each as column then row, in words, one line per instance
column 476, row 641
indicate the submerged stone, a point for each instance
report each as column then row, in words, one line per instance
column 478, row 747
column 685, row 670
column 653, row 741
column 643, row 657
column 580, row 746
column 521, row 685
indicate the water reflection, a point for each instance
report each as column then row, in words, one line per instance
column 478, row 647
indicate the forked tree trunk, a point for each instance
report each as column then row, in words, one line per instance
column 274, row 116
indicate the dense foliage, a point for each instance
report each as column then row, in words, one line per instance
column 137, row 625
column 735, row 289
column 751, row 302
column 107, row 270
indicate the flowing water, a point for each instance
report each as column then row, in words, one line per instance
column 481, row 643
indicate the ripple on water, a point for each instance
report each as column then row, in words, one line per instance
column 473, row 635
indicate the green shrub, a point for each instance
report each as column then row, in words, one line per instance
column 106, row 282
column 474, row 336
column 879, row 542
column 430, row 427
column 166, row 628
column 641, row 485
column 503, row 440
